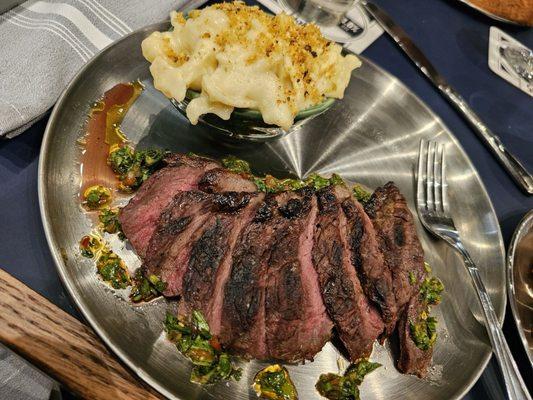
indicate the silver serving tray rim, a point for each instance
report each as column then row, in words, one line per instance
column 93, row 321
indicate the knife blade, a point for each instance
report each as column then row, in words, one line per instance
column 510, row 163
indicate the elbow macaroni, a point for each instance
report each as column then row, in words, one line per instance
column 239, row 56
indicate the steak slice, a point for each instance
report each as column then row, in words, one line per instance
column 139, row 217
column 243, row 321
column 412, row 360
column 169, row 247
column 222, row 180
column 366, row 256
column 357, row 321
column 399, row 242
column 296, row 321
column 209, row 263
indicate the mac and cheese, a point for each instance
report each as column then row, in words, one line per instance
column 239, row 56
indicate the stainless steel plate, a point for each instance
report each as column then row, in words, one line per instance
column 520, row 281
column 371, row 136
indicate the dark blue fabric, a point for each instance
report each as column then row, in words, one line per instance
column 453, row 37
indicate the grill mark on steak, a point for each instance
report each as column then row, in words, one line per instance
column 243, row 322
column 210, row 260
column 398, row 241
column 368, row 260
column 139, row 217
column 297, row 325
column 412, row 360
column 356, row 320
column 169, row 248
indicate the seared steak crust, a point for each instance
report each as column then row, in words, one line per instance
column 412, row 360
column 399, row 241
column 357, row 321
column 367, row 258
column 294, row 309
column 139, row 217
column 243, row 322
column 210, row 260
column 170, row 245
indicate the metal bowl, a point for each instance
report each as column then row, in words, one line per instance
column 371, row 136
column 520, row 281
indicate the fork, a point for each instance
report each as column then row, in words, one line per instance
column 433, row 208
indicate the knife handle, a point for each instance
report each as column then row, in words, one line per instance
column 513, row 166
column 62, row 346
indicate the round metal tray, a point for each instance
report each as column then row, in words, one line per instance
column 371, row 136
column 520, row 283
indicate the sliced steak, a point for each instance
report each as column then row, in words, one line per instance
column 243, row 315
column 178, row 226
column 222, row 180
column 366, row 256
column 399, row 242
column 296, row 321
column 139, row 217
column 412, row 360
column 209, row 263
column 357, row 321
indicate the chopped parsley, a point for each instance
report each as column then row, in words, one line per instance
column 431, row 290
column 109, row 222
column 236, row 165
column 96, row 197
column 133, row 167
column 345, row 387
column 146, row 288
column 194, row 340
column 412, row 278
column 362, row 195
column 274, row 382
column 424, row 332
column 112, row 269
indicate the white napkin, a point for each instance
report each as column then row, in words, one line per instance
column 44, row 43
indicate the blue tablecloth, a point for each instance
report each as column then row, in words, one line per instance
column 454, row 38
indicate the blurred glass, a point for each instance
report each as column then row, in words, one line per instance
column 322, row 12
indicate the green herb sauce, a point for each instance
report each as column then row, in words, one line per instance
column 424, row 332
column 90, row 245
column 96, row 197
column 362, row 195
column 109, row 222
column 236, row 165
column 112, row 269
column 431, row 290
column 274, row 382
column 345, row 387
column 146, row 288
column 194, row 340
column 133, row 167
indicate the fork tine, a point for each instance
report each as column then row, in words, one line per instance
column 429, row 175
column 437, row 176
column 420, row 195
column 444, row 184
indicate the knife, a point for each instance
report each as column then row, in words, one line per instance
column 511, row 164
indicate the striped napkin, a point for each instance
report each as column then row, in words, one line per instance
column 44, row 43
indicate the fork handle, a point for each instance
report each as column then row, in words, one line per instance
column 514, row 384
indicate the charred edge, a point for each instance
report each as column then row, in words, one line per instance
column 295, row 208
column 230, row 201
column 327, row 201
